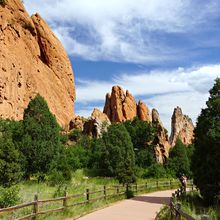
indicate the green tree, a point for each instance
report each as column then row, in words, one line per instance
column 115, row 154
column 10, row 166
column 178, row 161
column 142, row 136
column 206, row 166
column 41, row 140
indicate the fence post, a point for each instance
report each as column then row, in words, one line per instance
column 146, row 185
column 105, row 193
column 87, row 195
column 205, row 217
column 170, row 183
column 65, row 200
column 126, row 189
column 157, row 184
column 178, row 207
column 136, row 187
column 117, row 189
column 35, row 210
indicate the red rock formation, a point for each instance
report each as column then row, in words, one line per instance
column 162, row 141
column 32, row 60
column 97, row 124
column 120, row 106
column 181, row 127
column 77, row 123
column 143, row 112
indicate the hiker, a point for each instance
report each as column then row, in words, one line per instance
column 183, row 180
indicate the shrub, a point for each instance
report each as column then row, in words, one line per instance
column 9, row 196
column 3, row 2
column 155, row 171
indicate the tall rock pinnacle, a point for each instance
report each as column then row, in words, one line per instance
column 181, row 127
column 32, row 61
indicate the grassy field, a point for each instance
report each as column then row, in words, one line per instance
column 78, row 185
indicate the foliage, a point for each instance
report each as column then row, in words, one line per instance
column 178, row 162
column 41, row 139
column 3, row 2
column 206, row 166
column 142, row 136
column 155, row 171
column 10, row 163
column 9, row 196
column 115, row 155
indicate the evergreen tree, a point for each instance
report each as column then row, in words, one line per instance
column 178, row 162
column 10, row 160
column 41, row 139
column 206, row 165
column 116, row 154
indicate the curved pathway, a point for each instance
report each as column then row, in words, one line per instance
column 143, row 207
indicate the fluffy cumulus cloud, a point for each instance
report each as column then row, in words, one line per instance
column 121, row 30
column 163, row 90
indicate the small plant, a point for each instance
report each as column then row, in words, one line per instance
column 9, row 196
column 3, row 2
column 129, row 194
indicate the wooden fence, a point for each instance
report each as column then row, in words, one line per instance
column 36, row 206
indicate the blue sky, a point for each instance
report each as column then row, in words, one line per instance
column 165, row 52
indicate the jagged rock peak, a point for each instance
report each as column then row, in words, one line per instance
column 143, row 112
column 32, row 61
column 181, row 127
column 162, row 141
column 120, row 106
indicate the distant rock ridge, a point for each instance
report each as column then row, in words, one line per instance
column 181, row 127
column 32, row 61
column 121, row 106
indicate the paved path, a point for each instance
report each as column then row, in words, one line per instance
column 143, row 207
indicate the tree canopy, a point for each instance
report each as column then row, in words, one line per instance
column 206, row 166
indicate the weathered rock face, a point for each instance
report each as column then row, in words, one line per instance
column 97, row 124
column 77, row 123
column 32, row 61
column 181, row 127
column 120, row 106
column 143, row 112
column 162, row 141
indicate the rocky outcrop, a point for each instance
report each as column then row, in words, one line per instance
column 97, row 124
column 120, row 106
column 32, row 61
column 181, row 127
column 143, row 112
column 77, row 123
column 162, row 141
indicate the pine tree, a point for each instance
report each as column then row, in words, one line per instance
column 206, row 165
column 41, row 139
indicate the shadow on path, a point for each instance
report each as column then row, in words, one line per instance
column 152, row 199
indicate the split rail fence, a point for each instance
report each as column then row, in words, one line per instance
column 36, row 208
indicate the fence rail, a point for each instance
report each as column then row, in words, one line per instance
column 84, row 198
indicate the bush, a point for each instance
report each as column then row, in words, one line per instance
column 129, row 194
column 3, row 2
column 9, row 196
column 10, row 163
column 155, row 171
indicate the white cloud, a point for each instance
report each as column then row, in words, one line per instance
column 163, row 90
column 121, row 29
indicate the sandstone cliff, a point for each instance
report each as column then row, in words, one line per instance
column 162, row 140
column 120, row 106
column 181, row 127
column 32, row 60
column 143, row 112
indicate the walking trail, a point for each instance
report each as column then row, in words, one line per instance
column 143, row 207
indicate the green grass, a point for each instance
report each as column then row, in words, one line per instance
column 78, row 185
